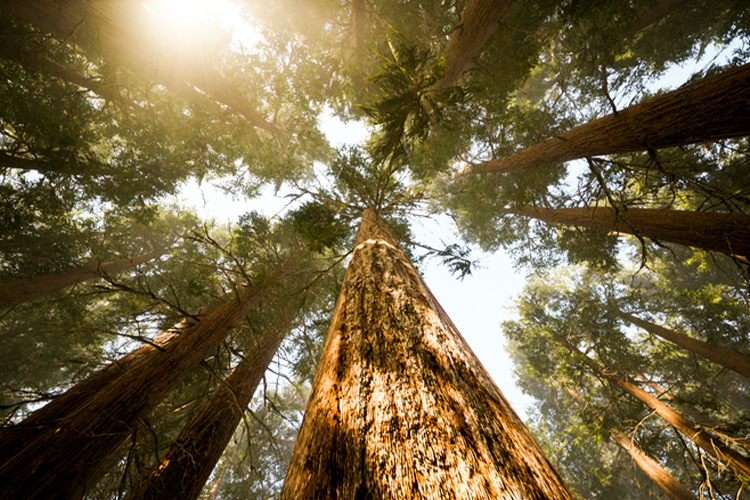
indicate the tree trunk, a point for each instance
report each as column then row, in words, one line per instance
column 400, row 406
column 186, row 465
column 658, row 474
column 14, row 438
column 714, row 108
column 25, row 290
column 720, row 232
column 692, row 431
column 62, row 461
column 728, row 359
column 660, row 10
column 116, row 27
column 479, row 20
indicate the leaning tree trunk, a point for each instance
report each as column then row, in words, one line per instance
column 658, row 474
column 25, row 290
column 186, row 465
column 116, row 27
column 63, row 461
column 721, row 232
column 14, row 438
column 714, row 108
column 730, row 360
column 479, row 20
column 692, row 431
column 400, row 406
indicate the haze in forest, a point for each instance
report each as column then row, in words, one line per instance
column 303, row 249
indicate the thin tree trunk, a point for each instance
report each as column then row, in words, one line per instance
column 721, row 232
column 714, row 108
column 658, row 474
column 728, row 359
column 479, row 20
column 700, row 418
column 186, row 464
column 400, row 406
column 116, row 27
column 63, row 461
column 692, row 431
column 25, row 290
column 358, row 26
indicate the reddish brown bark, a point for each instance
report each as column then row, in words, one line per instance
column 658, row 474
column 714, row 108
column 479, row 20
column 62, row 460
column 186, row 465
column 116, row 28
column 15, row 438
column 720, row 232
column 400, row 406
column 728, row 359
column 692, row 431
column 25, row 290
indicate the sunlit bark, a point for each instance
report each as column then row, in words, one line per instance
column 720, row 232
column 400, row 406
column 708, row 110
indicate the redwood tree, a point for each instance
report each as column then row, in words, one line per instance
column 728, row 233
column 400, row 406
column 711, row 109
column 186, row 464
column 24, row 290
column 63, row 459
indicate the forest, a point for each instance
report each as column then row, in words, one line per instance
column 151, row 350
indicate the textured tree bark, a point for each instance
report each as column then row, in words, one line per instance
column 186, row 465
column 62, row 461
column 479, row 20
column 25, row 290
column 692, row 431
column 400, row 406
column 728, row 359
column 658, row 474
column 714, row 108
column 720, row 232
column 115, row 27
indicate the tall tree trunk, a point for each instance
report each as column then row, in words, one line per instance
column 479, row 20
column 692, row 431
column 714, row 108
column 660, row 10
column 14, row 438
column 186, row 465
column 25, row 290
column 62, row 461
column 400, row 406
column 720, row 232
column 728, row 359
column 116, row 27
column 658, row 474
